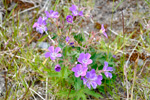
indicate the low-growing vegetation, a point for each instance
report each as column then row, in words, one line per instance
column 48, row 53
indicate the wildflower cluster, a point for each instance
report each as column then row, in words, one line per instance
column 68, row 41
column 41, row 24
column 53, row 54
column 75, row 12
column 90, row 78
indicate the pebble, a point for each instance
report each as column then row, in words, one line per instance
column 43, row 45
column 140, row 62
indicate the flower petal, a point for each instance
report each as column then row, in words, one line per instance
column 88, row 85
column 105, row 66
column 75, row 13
column 84, row 70
column 82, row 77
column 59, row 55
column 40, row 30
column 87, row 55
column 99, row 78
column 47, row 54
column 76, row 74
column 84, row 65
column 57, row 68
column 105, row 34
column 84, row 80
column 79, row 66
column 74, row 69
column 69, row 19
column 102, row 27
column 88, row 75
column 35, row 25
column 94, row 85
column 73, row 7
column 92, row 71
column 52, row 58
column 81, row 55
column 51, row 11
column 89, row 61
column 109, row 69
column 80, row 59
column 51, row 48
column 57, row 49
column 108, row 74
column 55, row 15
column 80, row 13
column 47, row 13
column 40, row 20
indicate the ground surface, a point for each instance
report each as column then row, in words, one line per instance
column 127, row 18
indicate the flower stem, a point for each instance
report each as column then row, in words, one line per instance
column 50, row 37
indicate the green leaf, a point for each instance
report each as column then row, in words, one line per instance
column 53, row 74
column 101, row 89
column 93, row 93
column 66, row 50
column 65, row 72
column 54, row 36
column 79, row 38
column 42, row 38
column 78, row 83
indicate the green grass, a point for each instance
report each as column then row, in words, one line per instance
column 28, row 71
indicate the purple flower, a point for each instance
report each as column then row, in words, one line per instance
column 82, row 77
column 71, row 43
column 99, row 79
column 52, row 14
column 69, row 19
column 53, row 53
column 80, row 13
column 44, row 18
column 92, row 79
column 75, row 11
column 114, row 56
column 79, row 70
column 57, row 68
column 40, row 25
column 103, row 31
column 67, row 39
column 106, row 70
column 84, row 59
column 73, row 7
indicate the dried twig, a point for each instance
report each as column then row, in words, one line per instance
column 131, row 54
column 69, row 93
column 46, row 88
column 123, row 23
column 34, row 91
column 44, row 7
column 134, row 78
column 125, row 71
column 26, row 92
column 21, row 13
column 50, row 37
column 121, row 36
column 142, row 68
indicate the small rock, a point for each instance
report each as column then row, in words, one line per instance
column 140, row 62
column 43, row 45
column 149, row 79
column 2, row 84
column 33, row 44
